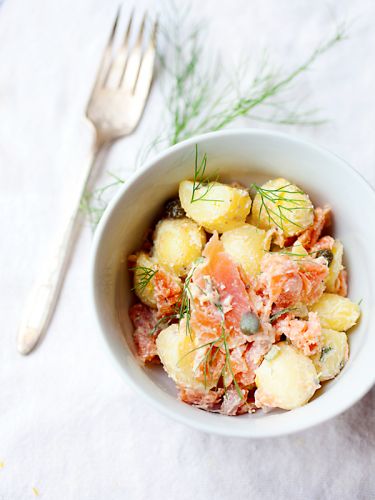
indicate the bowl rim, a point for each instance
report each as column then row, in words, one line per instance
column 222, row 430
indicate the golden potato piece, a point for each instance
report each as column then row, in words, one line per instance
column 286, row 378
column 143, row 270
column 176, row 352
column 336, row 312
column 215, row 206
column 178, row 243
column 246, row 245
column 280, row 204
column 333, row 354
column 335, row 267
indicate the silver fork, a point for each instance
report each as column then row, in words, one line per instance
column 115, row 107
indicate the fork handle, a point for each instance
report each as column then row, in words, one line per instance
column 45, row 292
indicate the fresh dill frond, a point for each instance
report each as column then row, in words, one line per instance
column 94, row 203
column 92, row 208
column 228, row 363
column 208, row 359
column 201, row 100
column 281, row 213
column 276, row 315
column 145, row 275
column 283, row 116
column 211, row 342
column 268, row 84
column 299, row 257
column 184, row 310
column 165, row 320
column 200, row 181
column 292, row 254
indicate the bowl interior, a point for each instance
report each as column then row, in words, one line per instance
column 246, row 157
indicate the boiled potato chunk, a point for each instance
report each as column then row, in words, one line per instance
column 286, row 380
column 280, row 204
column 178, row 243
column 143, row 267
column 175, row 350
column 246, row 245
column 215, row 206
column 333, row 355
column 336, row 312
column 335, row 267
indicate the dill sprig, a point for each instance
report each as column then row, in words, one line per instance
column 292, row 254
column 276, row 197
column 276, row 315
column 200, row 101
column 200, row 180
column 228, row 364
column 145, row 275
column 165, row 320
column 94, row 203
column 184, row 310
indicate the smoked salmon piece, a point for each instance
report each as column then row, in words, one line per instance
column 281, row 280
column 325, row 243
column 210, row 366
column 167, row 293
column 313, row 272
column 303, row 334
column 322, row 218
column 341, row 285
column 144, row 320
column 209, row 401
column 232, row 403
column 219, row 296
column 289, row 281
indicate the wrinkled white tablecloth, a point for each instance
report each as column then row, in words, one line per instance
column 69, row 427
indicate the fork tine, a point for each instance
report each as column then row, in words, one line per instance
column 141, row 30
column 117, row 68
column 127, row 33
column 155, row 33
column 105, row 61
column 143, row 83
column 130, row 74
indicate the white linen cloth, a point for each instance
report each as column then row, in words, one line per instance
column 69, row 426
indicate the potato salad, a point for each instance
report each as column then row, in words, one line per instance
column 241, row 295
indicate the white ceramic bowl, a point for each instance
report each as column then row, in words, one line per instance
column 246, row 156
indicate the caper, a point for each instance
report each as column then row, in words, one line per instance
column 249, row 323
column 327, row 254
column 174, row 210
